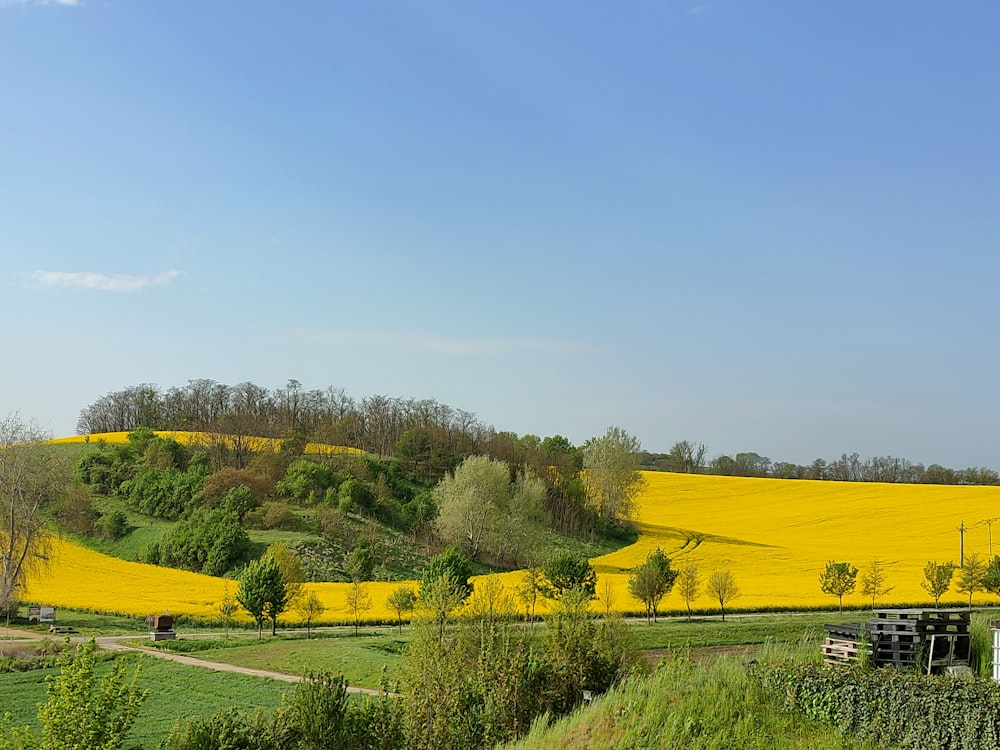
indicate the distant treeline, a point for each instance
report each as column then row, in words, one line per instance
column 686, row 457
column 435, row 437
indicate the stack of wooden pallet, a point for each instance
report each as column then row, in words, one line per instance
column 929, row 639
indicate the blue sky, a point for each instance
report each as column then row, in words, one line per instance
column 766, row 226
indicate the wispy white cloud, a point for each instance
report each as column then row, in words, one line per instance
column 696, row 9
column 431, row 344
column 118, row 282
column 66, row 3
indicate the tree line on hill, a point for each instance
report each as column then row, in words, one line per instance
column 435, row 434
column 690, row 458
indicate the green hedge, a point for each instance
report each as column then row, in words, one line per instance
column 892, row 708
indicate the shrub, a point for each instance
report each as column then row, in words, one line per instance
column 113, row 525
column 891, row 708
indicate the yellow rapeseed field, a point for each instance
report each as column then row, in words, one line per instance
column 80, row 578
column 774, row 535
column 204, row 438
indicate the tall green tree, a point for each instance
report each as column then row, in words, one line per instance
column 481, row 508
column 262, row 592
column 32, row 475
column 568, row 572
column 652, row 580
column 838, row 579
column 611, row 477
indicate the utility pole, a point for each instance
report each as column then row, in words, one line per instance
column 961, row 544
column 989, row 524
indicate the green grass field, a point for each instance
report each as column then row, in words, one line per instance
column 360, row 658
column 176, row 692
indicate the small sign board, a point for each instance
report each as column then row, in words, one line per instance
column 41, row 614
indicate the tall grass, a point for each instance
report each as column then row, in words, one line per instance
column 981, row 646
column 690, row 705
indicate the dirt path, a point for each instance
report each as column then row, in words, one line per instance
column 111, row 643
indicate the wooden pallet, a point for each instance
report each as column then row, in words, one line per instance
column 836, row 651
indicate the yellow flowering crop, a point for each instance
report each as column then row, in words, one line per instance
column 775, row 535
column 80, row 578
column 205, row 438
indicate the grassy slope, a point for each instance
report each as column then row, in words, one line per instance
column 684, row 705
column 175, row 693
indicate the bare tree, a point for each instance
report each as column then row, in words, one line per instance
column 722, row 587
column 873, row 581
column 358, row 601
column 309, row 607
column 688, row 585
column 32, row 474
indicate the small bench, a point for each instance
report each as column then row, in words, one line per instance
column 61, row 629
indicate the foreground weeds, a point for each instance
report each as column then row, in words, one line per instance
column 694, row 706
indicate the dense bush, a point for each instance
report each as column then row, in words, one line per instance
column 113, row 525
column 163, row 493
column 208, row 541
column 891, row 707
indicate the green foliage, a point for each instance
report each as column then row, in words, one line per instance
column 837, row 579
column 890, row 707
column 210, row 541
column 937, row 579
column 262, row 591
column 612, row 479
column 239, row 500
column 483, row 511
column 970, row 577
column 230, row 729
column 981, row 645
column 306, row 480
column 113, row 525
column 991, row 580
column 402, row 599
column 360, row 562
column 356, row 496
column 318, row 713
column 318, row 716
column 162, row 492
column 453, row 564
column 567, row 572
column 309, row 607
column 696, row 706
column 83, row 711
column 652, row 580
